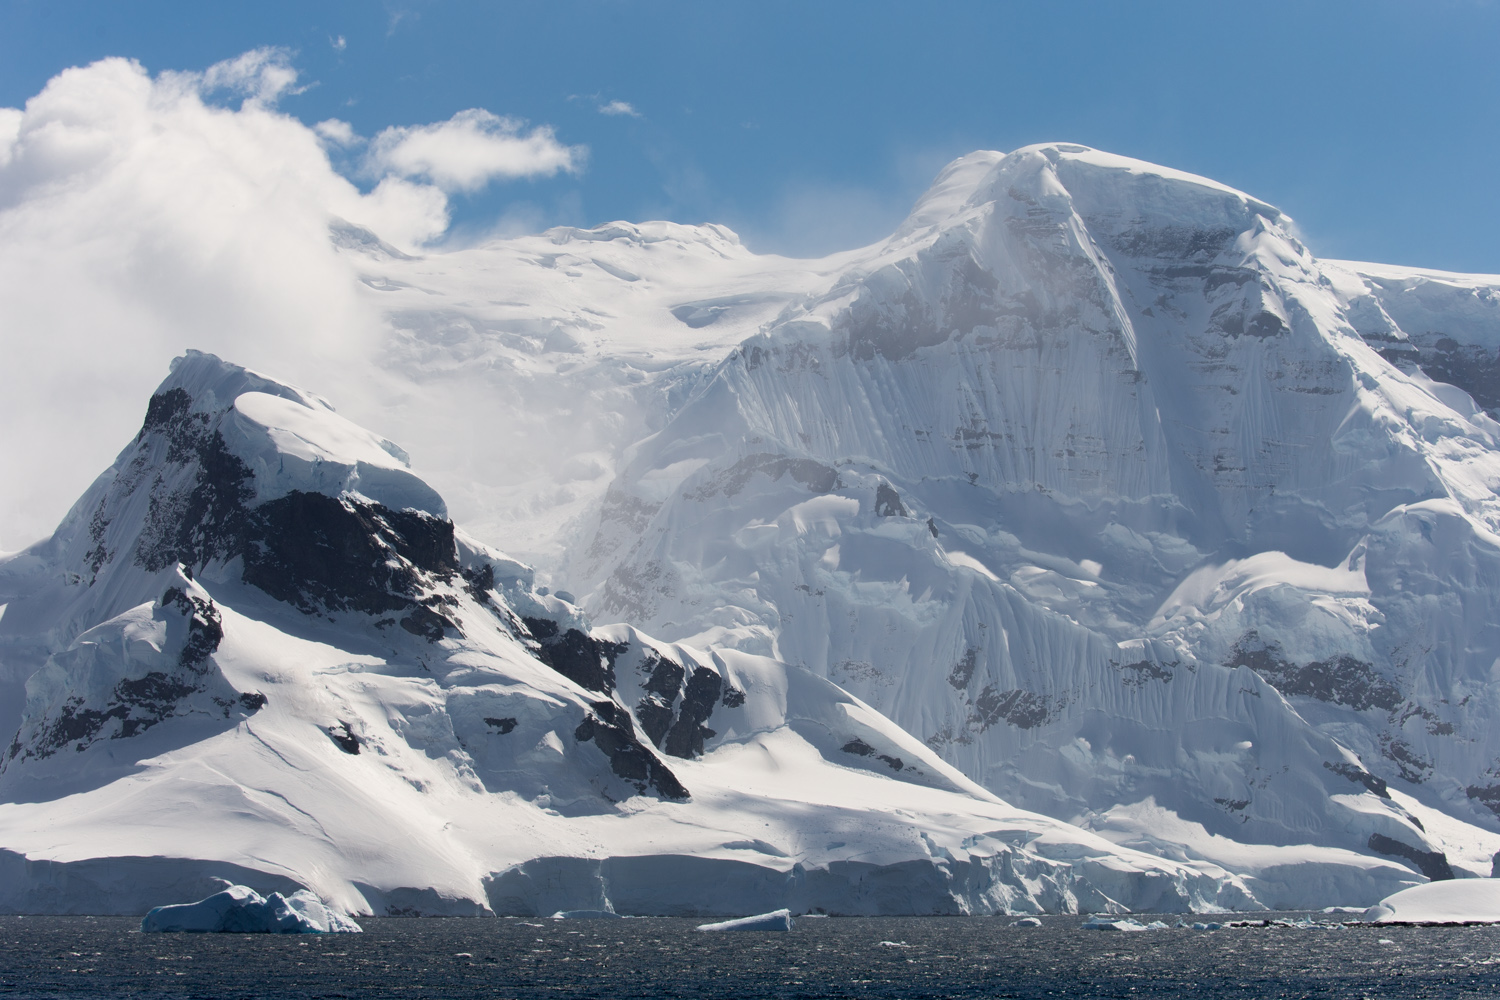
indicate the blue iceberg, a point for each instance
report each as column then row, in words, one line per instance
column 241, row 910
column 776, row 920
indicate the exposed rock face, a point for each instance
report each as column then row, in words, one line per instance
column 582, row 658
column 323, row 554
column 1431, row 863
column 1341, row 680
column 129, row 674
column 676, row 703
column 610, row 728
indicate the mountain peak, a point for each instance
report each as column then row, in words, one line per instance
column 1095, row 184
column 287, row 438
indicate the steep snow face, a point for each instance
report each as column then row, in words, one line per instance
column 263, row 651
column 1090, row 479
column 522, row 371
column 1445, row 325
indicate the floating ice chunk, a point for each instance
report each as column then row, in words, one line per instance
column 241, row 910
column 1210, row 926
column 1027, row 922
column 585, row 915
column 1101, row 922
column 776, row 920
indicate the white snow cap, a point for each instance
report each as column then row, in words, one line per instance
column 294, row 440
column 1096, row 182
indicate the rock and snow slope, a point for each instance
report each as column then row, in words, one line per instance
column 265, row 654
column 1091, row 478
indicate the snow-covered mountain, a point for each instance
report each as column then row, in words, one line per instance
column 266, row 654
column 1090, row 489
column 1095, row 480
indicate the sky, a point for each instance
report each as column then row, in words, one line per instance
column 812, row 127
column 168, row 169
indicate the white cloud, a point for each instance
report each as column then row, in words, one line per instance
column 136, row 220
column 404, row 213
column 339, row 133
column 471, row 149
column 619, row 108
column 10, row 130
column 338, row 44
column 140, row 217
column 262, row 75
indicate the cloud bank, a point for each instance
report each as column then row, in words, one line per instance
column 471, row 149
column 139, row 217
column 619, row 108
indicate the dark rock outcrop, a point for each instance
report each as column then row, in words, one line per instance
column 678, row 703
column 1433, row 864
column 1340, row 680
column 610, row 728
column 585, row 660
column 1360, row 776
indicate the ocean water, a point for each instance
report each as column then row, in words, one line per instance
column 950, row 957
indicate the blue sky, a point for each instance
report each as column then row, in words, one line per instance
column 810, row 127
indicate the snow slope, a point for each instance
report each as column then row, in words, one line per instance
column 555, row 353
column 268, row 657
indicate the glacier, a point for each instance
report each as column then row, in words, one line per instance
column 1088, row 544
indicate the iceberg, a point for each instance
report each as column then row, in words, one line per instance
column 1104, row 923
column 239, row 909
column 776, row 920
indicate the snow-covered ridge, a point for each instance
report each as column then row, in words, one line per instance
column 255, row 666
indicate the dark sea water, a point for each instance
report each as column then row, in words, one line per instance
column 60, row 957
